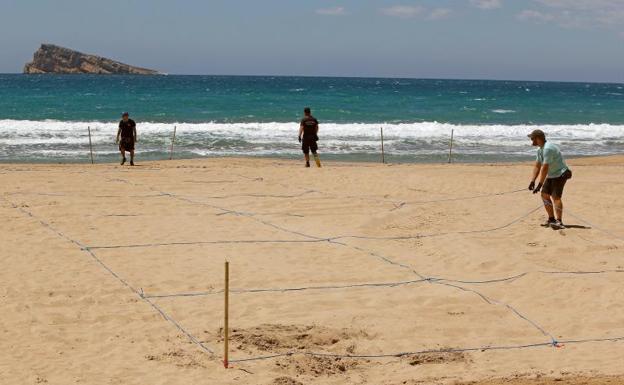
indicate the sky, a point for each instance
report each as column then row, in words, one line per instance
column 557, row 40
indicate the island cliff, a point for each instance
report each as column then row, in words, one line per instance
column 53, row 59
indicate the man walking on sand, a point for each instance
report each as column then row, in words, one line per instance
column 308, row 136
column 553, row 173
column 127, row 130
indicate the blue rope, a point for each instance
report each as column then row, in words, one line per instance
column 609, row 233
column 142, row 245
column 387, row 260
column 383, row 285
column 431, row 235
column 283, row 290
column 310, row 238
column 429, row 351
column 114, row 274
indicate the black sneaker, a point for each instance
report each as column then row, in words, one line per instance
column 123, row 161
column 557, row 225
column 549, row 222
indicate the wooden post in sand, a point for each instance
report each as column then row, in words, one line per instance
column 90, row 144
column 226, row 329
column 383, row 155
column 450, row 159
column 172, row 142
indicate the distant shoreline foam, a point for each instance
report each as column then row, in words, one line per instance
column 53, row 140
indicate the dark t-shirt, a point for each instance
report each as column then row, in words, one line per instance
column 310, row 126
column 127, row 128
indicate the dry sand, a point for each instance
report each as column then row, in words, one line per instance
column 112, row 275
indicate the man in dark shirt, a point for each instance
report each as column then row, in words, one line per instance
column 308, row 136
column 127, row 131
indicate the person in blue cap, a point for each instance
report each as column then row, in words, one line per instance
column 127, row 131
column 551, row 173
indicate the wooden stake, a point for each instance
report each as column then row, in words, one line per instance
column 450, row 159
column 226, row 330
column 172, row 142
column 90, row 144
column 383, row 155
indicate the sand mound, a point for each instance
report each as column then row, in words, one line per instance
column 276, row 338
column 567, row 380
column 436, row 358
column 285, row 381
column 317, row 366
column 179, row 358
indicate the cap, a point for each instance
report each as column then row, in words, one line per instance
column 537, row 134
column 125, row 114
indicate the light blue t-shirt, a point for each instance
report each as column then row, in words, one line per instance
column 551, row 155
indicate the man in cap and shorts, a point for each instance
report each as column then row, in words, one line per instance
column 552, row 173
column 127, row 131
column 308, row 136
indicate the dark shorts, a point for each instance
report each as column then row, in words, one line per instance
column 554, row 186
column 126, row 144
column 309, row 144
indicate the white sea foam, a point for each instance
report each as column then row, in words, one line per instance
column 420, row 128
column 46, row 137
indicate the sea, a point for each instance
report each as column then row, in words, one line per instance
column 47, row 118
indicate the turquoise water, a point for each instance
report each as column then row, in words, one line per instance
column 45, row 117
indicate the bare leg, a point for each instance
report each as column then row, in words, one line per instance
column 558, row 208
column 132, row 157
column 317, row 159
column 123, row 156
column 548, row 205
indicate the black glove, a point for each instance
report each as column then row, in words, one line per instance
column 300, row 139
column 532, row 185
column 538, row 188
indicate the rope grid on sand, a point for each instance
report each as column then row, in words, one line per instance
column 335, row 240
column 111, row 272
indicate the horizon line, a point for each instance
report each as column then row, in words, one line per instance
column 333, row 77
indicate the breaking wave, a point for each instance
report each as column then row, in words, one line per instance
column 25, row 139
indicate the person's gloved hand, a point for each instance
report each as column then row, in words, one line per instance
column 532, row 185
column 300, row 139
column 537, row 188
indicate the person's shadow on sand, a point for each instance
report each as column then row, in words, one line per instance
column 577, row 227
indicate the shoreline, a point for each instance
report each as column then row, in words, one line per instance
column 580, row 160
column 418, row 142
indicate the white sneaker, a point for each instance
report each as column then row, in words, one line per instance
column 548, row 223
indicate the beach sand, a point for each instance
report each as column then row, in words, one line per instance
column 113, row 275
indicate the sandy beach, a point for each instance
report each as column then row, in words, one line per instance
column 425, row 273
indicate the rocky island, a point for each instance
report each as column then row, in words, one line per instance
column 52, row 59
